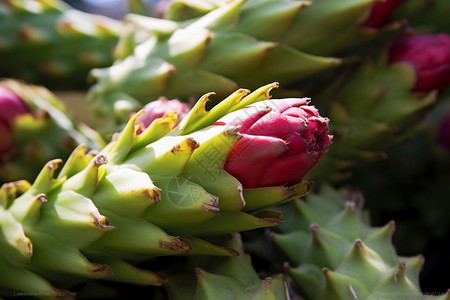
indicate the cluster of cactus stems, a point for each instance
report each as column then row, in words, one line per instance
column 228, row 193
column 224, row 50
column 330, row 251
column 65, row 44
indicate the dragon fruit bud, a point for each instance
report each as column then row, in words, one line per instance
column 280, row 144
column 429, row 55
column 11, row 106
column 380, row 13
column 157, row 109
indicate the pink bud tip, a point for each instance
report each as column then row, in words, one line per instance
column 11, row 106
column 281, row 143
column 380, row 13
column 428, row 54
column 157, row 109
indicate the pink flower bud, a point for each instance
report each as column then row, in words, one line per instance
column 428, row 54
column 11, row 106
column 157, row 109
column 281, row 143
column 380, row 13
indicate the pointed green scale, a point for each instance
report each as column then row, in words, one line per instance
column 205, row 167
column 20, row 279
column 166, row 157
column 363, row 261
column 281, row 14
column 77, row 161
column 16, row 245
column 9, row 191
column 85, row 182
column 126, row 192
column 262, row 197
column 181, row 197
column 125, row 272
column 202, row 247
column 293, row 245
column 339, row 286
column 227, row 222
column 157, row 129
column 69, row 212
column 325, row 247
column 51, row 258
column 132, row 245
column 325, row 19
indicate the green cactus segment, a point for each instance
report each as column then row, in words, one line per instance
column 371, row 110
column 48, row 42
column 333, row 252
column 232, row 276
column 47, row 132
column 140, row 197
column 185, row 10
column 426, row 16
column 212, row 53
column 328, row 26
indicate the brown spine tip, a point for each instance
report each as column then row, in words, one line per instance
column 192, row 144
column 314, row 227
column 53, row 164
column 176, row 244
column 102, row 221
column 100, row 160
column 326, row 271
column 102, row 270
column 41, row 198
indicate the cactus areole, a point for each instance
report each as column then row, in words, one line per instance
column 281, row 143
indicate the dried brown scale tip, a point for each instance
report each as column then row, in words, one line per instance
column 153, row 194
column 100, row 160
column 42, row 198
column 102, row 221
column 212, row 206
column 53, row 164
column 176, row 244
column 314, row 227
column 102, row 270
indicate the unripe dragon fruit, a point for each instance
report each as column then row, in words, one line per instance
column 428, row 55
column 157, row 109
column 142, row 196
column 372, row 107
column 35, row 128
column 11, row 107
